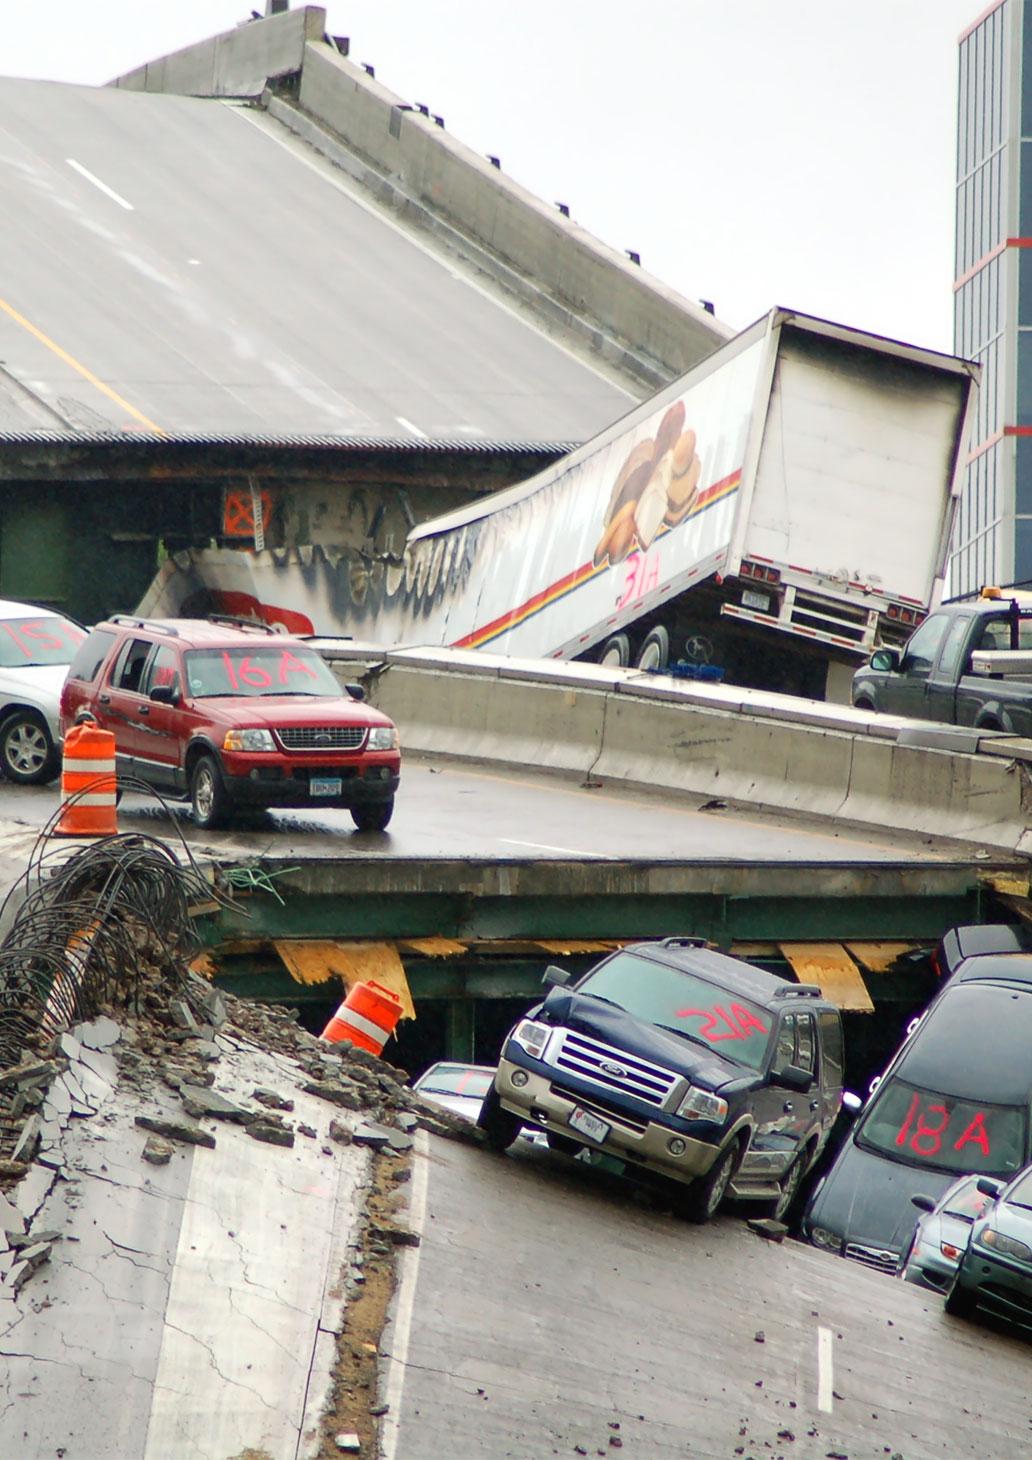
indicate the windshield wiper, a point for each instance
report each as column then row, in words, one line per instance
column 686, row 1034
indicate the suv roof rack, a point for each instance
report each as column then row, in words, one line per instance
column 799, row 991
column 236, row 621
column 132, row 620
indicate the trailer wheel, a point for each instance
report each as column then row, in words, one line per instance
column 616, row 651
column 655, row 649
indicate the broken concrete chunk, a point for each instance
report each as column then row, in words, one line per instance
column 274, row 1135
column 202, row 1049
column 80, row 1104
column 157, row 1151
column 371, row 1133
column 213, row 1006
column 34, row 1239
column 400, row 1236
column 58, row 1101
column 271, row 1099
column 12, row 1223
column 307, row 1130
column 769, row 1228
column 200, row 1101
column 405, row 1120
column 340, row 1133
column 29, row 1072
column 175, row 1130
column 99, row 1033
column 181, row 1014
column 348, row 1443
column 28, row 1139
column 69, row 1046
column 338, row 1094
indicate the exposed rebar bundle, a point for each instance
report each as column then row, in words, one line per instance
column 78, row 924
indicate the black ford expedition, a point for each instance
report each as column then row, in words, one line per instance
column 703, row 1070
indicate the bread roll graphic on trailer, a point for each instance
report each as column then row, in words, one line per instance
column 771, row 518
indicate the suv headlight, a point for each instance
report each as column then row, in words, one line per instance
column 248, row 740
column 703, row 1105
column 821, row 1237
column 382, row 737
column 532, row 1037
column 1008, row 1246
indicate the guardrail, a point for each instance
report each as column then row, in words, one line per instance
column 765, row 750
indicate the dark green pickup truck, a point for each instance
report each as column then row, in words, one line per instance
column 969, row 663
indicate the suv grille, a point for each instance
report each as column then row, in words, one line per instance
column 322, row 737
column 612, row 1069
column 877, row 1257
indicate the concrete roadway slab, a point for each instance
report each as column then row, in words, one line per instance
column 446, row 809
column 238, row 284
column 547, row 1310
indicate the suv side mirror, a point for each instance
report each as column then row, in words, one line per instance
column 886, row 660
column 794, row 1077
column 988, row 1187
column 922, row 1202
column 355, row 691
column 554, row 977
column 165, row 694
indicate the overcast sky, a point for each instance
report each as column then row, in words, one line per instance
column 754, row 152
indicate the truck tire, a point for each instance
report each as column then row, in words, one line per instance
column 616, row 651
column 655, row 649
column 702, row 1198
column 780, row 1208
column 500, row 1127
column 374, row 816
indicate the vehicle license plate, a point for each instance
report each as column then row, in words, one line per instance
column 589, row 1125
column 324, row 786
column 752, row 599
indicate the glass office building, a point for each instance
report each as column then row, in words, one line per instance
column 993, row 294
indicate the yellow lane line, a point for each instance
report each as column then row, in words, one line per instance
column 80, row 368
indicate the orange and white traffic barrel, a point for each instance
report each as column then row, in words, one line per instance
column 367, row 1017
column 88, row 783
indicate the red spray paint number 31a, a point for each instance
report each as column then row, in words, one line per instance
column 641, row 577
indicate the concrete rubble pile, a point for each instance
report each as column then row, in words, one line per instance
column 176, row 1133
column 177, row 1043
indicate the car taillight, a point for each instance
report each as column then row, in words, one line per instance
column 948, row 1250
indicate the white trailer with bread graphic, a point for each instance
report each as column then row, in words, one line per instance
column 771, row 517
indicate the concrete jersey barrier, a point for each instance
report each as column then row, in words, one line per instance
column 768, row 751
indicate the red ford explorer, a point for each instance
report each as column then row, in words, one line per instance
column 228, row 714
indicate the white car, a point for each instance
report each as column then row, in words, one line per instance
column 36, row 647
column 459, row 1088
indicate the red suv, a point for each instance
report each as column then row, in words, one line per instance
column 229, row 714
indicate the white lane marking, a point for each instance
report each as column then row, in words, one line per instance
column 824, row 1369
column 90, row 178
column 325, row 168
column 404, row 421
column 406, row 1302
column 544, row 847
